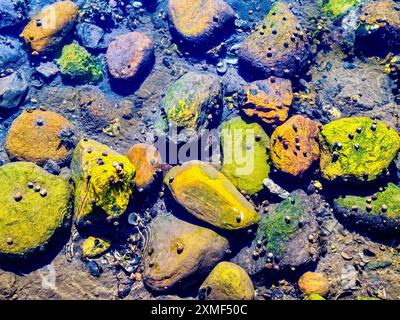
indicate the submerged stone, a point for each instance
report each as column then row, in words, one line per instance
column 244, row 154
column 79, row 65
column 227, row 281
column 281, row 48
column 294, row 145
column 378, row 212
column 338, row 8
column 178, row 250
column 357, row 149
column 190, row 100
column 200, row 21
column 13, row 90
column 36, row 136
column 208, row 195
column 129, row 55
column 313, row 283
column 268, row 100
column 146, row 160
column 103, row 180
column 48, row 29
column 34, row 205
column 94, row 247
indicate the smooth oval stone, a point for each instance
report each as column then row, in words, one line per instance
column 208, row 195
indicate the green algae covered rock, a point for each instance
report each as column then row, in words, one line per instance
column 179, row 251
column 34, row 204
column 379, row 212
column 338, row 8
column 287, row 229
column 245, row 157
column 190, row 100
column 78, row 64
column 358, row 149
column 208, row 195
column 227, row 281
column 94, row 247
column 314, row 296
column 103, row 179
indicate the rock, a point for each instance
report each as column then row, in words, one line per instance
column 268, row 100
column 377, row 212
column 78, row 64
column 103, row 180
column 12, row 53
column 47, row 29
column 146, row 160
column 244, row 154
column 314, row 283
column 275, row 189
column 12, row 13
column 94, row 247
column 287, row 237
column 189, row 101
column 348, row 277
column 179, row 252
column 338, row 8
column 294, row 145
column 130, row 55
column 200, row 22
column 227, row 281
column 36, row 136
column 349, row 147
column 314, row 296
column 48, row 70
column 7, row 285
column 34, row 205
column 210, row 196
column 90, row 35
column 281, row 48
column 13, row 90
column 379, row 23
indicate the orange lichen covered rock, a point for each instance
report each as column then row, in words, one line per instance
column 268, row 100
column 314, row 283
column 200, row 20
column 146, row 160
column 48, row 28
column 278, row 46
column 294, row 146
column 36, row 136
column 129, row 55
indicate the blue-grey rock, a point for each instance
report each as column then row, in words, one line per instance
column 13, row 90
column 90, row 35
column 12, row 13
column 11, row 53
column 48, row 70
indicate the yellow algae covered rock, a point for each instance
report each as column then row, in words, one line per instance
column 245, row 155
column 94, row 247
column 177, row 250
column 103, row 179
column 34, row 204
column 268, row 100
column 48, row 28
column 358, row 149
column 227, row 281
column 36, row 136
column 313, row 283
column 146, row 160
column 200, row 20
column 210, row 196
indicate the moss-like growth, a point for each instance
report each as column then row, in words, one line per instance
column 314, row 296
column 227, row 281
column 94, row 247
column 379, row 211
column 338, row 8
column 210, row 196
column 358, row 149
column 34, row 204
column 103, row 179
column 245, row 157
column 78, row 64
